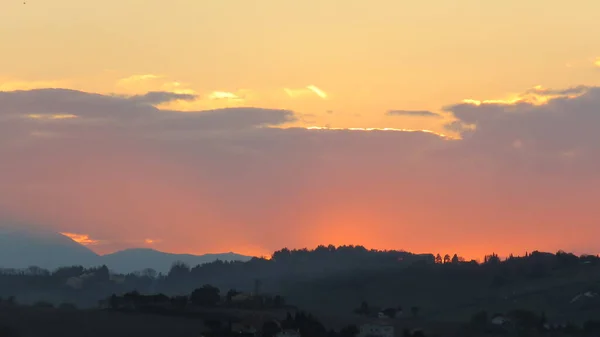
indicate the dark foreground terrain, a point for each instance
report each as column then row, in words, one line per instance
column 339, row 285
column 49, row 322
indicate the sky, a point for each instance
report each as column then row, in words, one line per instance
column 209, row 126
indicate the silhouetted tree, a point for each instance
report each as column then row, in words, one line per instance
column 149, row 272
column 438, row 259
column 207, row 295
column 446, row 258
column 491, row 259
column 566, row 260
column 178, row 271
column 231, row 294
column 455, row 259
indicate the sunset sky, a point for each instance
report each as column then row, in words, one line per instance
column 196, row 126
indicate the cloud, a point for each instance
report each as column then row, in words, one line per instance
column 138, row 78
column 137, row 113
column 143, row 83
column 159, row 97
column 224, row 95
column 317, row 91
column 524, row 173
column 412, row 113
column 311, row 89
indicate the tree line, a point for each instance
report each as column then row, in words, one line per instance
column 284, row 267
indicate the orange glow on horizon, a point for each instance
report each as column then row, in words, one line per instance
column 82, row 239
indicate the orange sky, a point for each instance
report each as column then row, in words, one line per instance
column 507, row 92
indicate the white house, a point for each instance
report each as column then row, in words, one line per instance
column 499, row 320
column 288, row 333
column 376, row 330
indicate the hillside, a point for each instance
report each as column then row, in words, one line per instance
column 334, row 281
column 24, row 246
column 456, row 292
column 136, row 259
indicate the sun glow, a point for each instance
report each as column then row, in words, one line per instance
column 82, row 239
column 57, row 116
column 445, row 136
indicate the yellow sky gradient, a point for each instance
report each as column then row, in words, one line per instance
column 363, row 57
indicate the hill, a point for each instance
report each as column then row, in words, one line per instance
column 562, row 286
column 23, row 246
column 335, row 281
column 136, row 259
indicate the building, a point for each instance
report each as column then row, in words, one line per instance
column 499, row 319
column 288, row 333
column 376, row 330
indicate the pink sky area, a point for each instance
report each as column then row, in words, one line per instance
column 464, row 127
column 124, row 173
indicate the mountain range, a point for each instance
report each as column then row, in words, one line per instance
column 24, row 246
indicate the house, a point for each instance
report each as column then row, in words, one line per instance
column 389, row 313
column 241, row 298
column 376, row 330
column 499, row 319
column 288, row 333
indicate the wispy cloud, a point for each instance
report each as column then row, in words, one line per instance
column 138, row 78
column 412, row 113
column 311, row 89
column 224, row 95
column 537, row 95
column 317, row 91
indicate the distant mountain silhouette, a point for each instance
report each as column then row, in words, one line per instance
column 22, row 246
column 136, row 259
